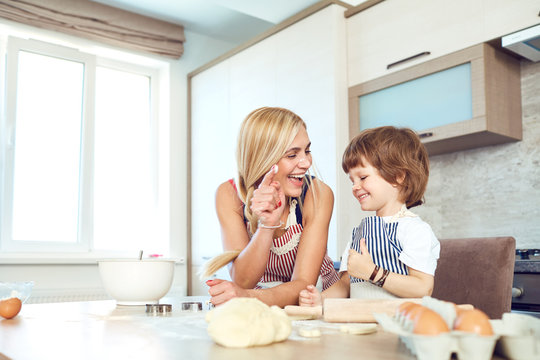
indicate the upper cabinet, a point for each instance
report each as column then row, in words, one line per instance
column 395, row 34
column 466, row 99
column 502, row 17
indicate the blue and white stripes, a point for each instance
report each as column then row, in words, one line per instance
column 381, row 242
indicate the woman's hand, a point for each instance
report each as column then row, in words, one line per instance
column 223, row 291
column 360, row 265
column 268, row 199
column 310, row 297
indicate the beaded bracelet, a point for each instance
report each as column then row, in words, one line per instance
column 261, row 225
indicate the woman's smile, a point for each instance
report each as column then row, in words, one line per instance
column 294, row 164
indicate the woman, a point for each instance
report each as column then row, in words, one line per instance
column 276, row 216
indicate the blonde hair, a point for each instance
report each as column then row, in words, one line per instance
column 265, row 135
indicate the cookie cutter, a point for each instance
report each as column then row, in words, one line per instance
column 158, row 309
column 193, row 306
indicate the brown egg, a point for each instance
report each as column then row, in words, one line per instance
column 428, row 322
column 412, row 312
column 473, row 321
column 401, row 310
column 10, row 308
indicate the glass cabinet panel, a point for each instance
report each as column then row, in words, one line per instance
column 442, row 98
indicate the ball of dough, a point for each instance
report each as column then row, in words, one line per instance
column 244, row 322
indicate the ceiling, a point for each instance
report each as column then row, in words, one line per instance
column 234, row 21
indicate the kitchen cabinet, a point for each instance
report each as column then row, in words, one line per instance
column 503, row 17
column 380, row 37
column 300, row 67
column 467, row 99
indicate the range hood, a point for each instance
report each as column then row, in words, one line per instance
column 524, row 42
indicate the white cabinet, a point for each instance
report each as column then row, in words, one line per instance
column 302, row 68
column 503, row 17
column 394, row 30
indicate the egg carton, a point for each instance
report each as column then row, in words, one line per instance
column 516, row 336
column 441, row 347
column 466, row 346
column 519, row 336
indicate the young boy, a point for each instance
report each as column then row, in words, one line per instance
column 394, row 253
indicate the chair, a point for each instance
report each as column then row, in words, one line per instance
column 477, row 271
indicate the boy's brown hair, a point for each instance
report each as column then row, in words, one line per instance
column 398, row 154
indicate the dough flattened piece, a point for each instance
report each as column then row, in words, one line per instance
column 309, row 332
column 303, row 312
column 359, row 329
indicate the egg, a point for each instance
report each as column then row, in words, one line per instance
column 428, row 322
column 409, row 315
column 473, row 321
column 402, row 310
column 403, row 307
column 10, row 308
column 413, row 311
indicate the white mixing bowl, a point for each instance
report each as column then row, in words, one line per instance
column 137, row 282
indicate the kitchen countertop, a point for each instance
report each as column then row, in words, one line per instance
column 102, row 330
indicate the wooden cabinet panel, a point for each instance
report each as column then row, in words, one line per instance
column 495, row 100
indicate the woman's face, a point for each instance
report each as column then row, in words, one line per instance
column 294, row 164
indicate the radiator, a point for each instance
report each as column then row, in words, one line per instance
column 65, row 295
column 62, row 295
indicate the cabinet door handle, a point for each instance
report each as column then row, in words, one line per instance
column 407, row 59
column 425, row 135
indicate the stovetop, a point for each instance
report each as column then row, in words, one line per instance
column 528, row 254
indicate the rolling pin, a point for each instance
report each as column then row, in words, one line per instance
column 351, row 310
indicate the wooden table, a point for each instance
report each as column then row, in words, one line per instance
column 102, row 330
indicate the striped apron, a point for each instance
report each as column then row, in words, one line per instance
column 382, row 244
column 282, row 257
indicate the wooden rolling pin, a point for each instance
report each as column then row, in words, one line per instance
column 351, row 310
column 360, row 310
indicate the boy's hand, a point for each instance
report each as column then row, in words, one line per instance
column 360, row 265
column 310, row 297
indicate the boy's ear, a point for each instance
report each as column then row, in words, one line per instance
column 401, row 178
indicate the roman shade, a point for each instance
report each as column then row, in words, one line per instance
column 99, row 22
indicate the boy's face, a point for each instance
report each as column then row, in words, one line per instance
column 373, row 192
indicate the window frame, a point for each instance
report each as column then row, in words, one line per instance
column 83, row 248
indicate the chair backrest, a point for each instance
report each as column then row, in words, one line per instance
column 477, row 271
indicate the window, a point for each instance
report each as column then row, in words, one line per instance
column 80, row 167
